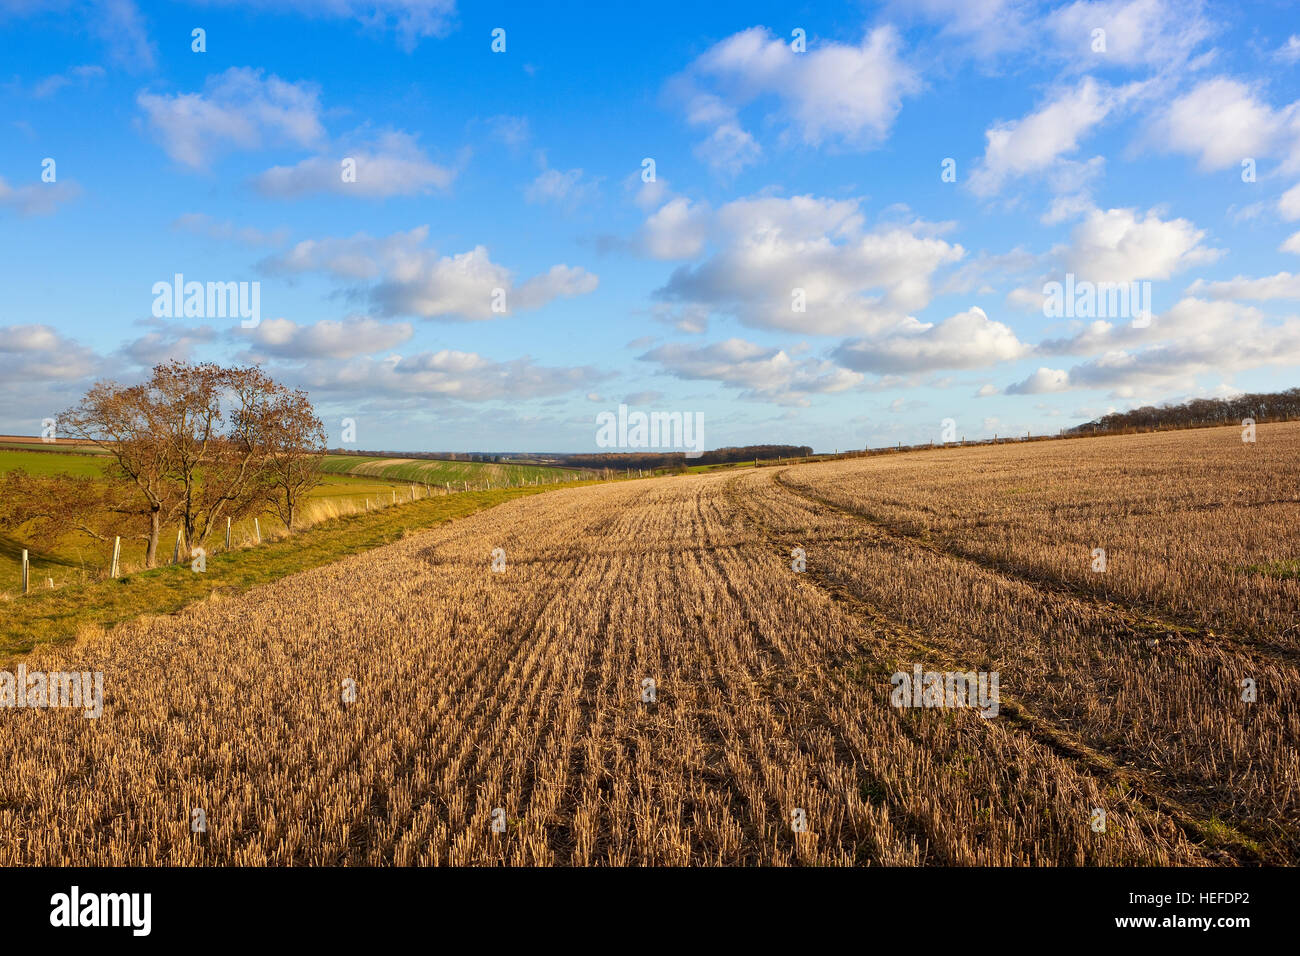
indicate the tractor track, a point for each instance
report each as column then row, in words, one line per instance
column 1140, row 784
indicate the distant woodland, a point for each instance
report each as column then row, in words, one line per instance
column 718, row 456
column 1199, row 413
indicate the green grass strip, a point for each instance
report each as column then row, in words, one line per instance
column 54, row 616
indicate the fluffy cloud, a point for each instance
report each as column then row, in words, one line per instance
column 447, row 375
column 41, row 373
column 355, row 257
column 1138, row 32
column 353, row 336
column 648, row 195
column 167, row 341
column 728, row 149
column 392, row 165
column 39, row 353
column 1101, row 336
column 437, row 286
column 968, row 339
column 416, row 280
column 238, row 109
column 1284, row 285
column 853, row 280
column 1151, row 33
column 1116, row 245
column 1037, row 141
column 1196, row 337
column 28, row 338
column 677, row 230
column 833, row 92
column 1221, row 121
column 1028, row 300
column 767, row 374
column 458, row 285
column 1288, row 204
column 691, row 319
column 1044, row 381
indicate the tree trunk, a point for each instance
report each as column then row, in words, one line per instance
column 155, row 529
column 289, row 524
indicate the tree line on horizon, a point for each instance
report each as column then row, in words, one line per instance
column 1198, row 413
column 718, row 456
column 475, row 456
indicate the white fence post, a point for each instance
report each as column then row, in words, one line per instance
column 25, row 569
column 227, row 532
column 117, row 554
column 257, row 529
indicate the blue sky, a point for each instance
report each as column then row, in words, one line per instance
column 1109, row 157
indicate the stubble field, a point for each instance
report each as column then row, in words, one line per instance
column 489, row 700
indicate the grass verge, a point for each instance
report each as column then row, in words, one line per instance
column 55, row 616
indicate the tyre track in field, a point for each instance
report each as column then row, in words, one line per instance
column 1137, row 619
column 1139, row 785
column 723, row 682
column 519, row 654
column 1212, row 798
column 910, row 825
column 472, row 711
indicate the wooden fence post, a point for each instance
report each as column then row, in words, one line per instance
column 227, row 532
column 257, row 529
column 117, row 553
column 25, row 569
column 176, row 551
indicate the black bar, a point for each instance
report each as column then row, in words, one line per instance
column 333, row 906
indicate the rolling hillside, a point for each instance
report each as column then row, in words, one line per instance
column 440, row 471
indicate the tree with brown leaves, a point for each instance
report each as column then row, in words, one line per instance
column 56, row 505
column 295, row 451
column 200, row 443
